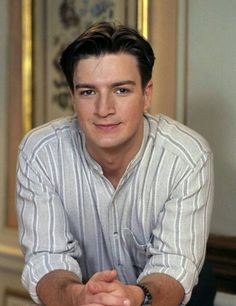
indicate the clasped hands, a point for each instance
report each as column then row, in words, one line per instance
column 103, row 289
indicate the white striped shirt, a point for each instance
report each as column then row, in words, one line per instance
column 156, row 220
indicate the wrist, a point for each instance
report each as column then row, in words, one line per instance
column 57, row 287
column 73, row 291
column 138, row 295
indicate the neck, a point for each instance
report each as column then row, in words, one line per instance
column 113, row 171
column 114, row 162
column 113, row 165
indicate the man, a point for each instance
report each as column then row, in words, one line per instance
column 113, row 204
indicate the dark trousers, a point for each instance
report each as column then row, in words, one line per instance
column 204, row 292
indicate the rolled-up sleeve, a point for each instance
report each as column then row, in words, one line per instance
column 44, row 233
column 179, row 243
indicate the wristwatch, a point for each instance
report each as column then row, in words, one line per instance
column 147, row 295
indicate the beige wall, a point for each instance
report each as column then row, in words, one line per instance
column 194, row 81
column 206, row 83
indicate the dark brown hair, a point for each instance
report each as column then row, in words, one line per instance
column 108, row 38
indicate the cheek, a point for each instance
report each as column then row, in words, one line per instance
column 133, row 118
column 83, row 110
column 134, row 110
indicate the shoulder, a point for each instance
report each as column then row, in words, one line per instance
column 178, row 139
column 48, row 134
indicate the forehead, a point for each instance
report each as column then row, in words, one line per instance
column 107, row 66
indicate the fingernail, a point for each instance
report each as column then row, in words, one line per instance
column 126, row 302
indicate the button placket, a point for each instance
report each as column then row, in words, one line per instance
column 115, row 235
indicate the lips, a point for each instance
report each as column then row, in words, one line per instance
column 107, row 126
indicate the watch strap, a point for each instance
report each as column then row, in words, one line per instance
column 147, row 295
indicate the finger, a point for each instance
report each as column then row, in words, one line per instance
column 95, row 287
column 108, row 299
column 106, row 276
column 93, row 305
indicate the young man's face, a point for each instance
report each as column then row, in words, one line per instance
column 109, row 102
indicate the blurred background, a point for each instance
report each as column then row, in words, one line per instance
column 195, row 83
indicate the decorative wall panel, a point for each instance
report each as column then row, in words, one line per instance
column 62, row 22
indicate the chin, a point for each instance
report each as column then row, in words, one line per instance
column 109, row 145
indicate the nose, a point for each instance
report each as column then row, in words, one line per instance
column 105, row 105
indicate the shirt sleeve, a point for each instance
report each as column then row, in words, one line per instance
column 44, row 234
column 179, row 243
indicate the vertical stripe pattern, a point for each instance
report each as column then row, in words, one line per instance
column 71, row 217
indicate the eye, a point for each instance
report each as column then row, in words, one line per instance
column 122, row 91
column 87, row 92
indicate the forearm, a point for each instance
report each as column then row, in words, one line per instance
column 56, row 288
column 63, row 288
column 165, row 290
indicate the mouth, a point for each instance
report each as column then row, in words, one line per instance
column 107, row 127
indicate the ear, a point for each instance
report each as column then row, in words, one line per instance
column 148, row 95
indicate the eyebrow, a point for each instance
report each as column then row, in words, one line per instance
column 84, row 85
column 125, row 82
column 115, row 84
